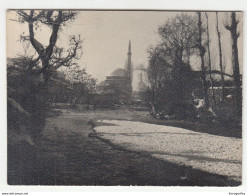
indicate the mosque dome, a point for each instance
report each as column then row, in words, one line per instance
column 119, row 72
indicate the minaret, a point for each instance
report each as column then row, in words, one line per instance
column 129, row 52
column 129, row 67
column 129, row 72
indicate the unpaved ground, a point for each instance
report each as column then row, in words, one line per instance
column 67, row 156
column 211, row 153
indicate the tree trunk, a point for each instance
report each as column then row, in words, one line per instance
column 235, row 61
column 188, row 56
column 220, row 58
column 209, row 64
column 202, row 53
column 153, row 108
column 179, row 96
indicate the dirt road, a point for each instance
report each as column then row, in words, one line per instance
column 68, row 156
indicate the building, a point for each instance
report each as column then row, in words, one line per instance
column 119, row 82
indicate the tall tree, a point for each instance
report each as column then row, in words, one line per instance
column 51, row 56
column 179, row 38
column 220, row 58
column 202, row 53
column 157, row 72
column 46, row 60
column 209, row 63
column 179, row 34
column 236, row 72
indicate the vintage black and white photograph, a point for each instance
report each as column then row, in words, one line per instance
column 124, row 97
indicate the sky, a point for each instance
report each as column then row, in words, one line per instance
column 106, row 35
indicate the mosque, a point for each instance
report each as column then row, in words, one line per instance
column 119, row 83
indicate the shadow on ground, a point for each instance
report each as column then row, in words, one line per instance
column 65, row 155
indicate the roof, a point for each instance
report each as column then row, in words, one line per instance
column 119, row 72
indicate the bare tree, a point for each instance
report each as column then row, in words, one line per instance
column 179, row 38
column 220, row 58
column 236, row 72
column 209, row 62
column 202, row 53
column 50, row 56
column 157, row 72
column 36, row 70
column 179, row 34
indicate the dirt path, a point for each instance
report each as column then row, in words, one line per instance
column 67, row 156
column 215, row 154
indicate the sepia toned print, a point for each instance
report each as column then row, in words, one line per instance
column 107, row 97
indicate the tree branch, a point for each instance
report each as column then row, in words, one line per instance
column 57, row 59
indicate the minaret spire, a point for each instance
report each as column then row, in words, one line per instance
column 129, row 58
column 129, row 67
column 129, row 72
column 129, row 52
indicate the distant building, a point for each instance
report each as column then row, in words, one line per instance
column 119, row 83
